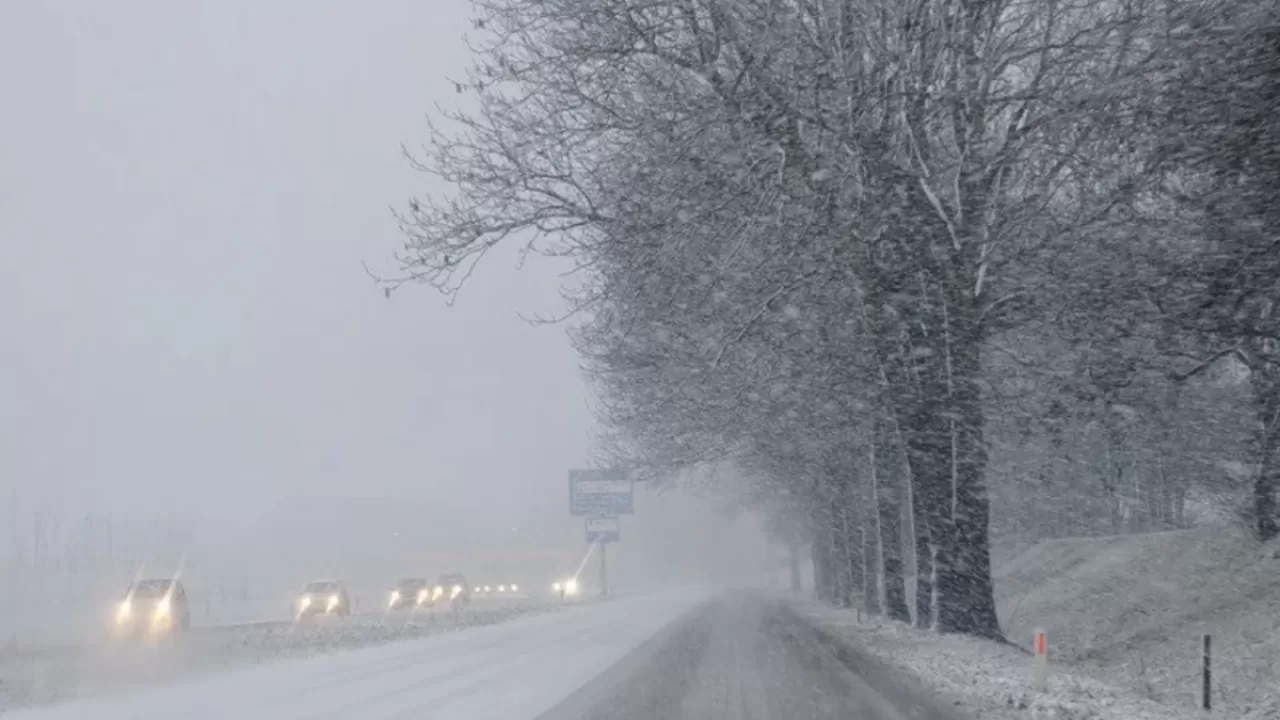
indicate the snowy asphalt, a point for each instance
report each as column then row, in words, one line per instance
column 683, row 654
column 745, row 658
column 499, row 671
column 55, row 674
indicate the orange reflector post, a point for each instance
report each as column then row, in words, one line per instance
column 1040, row 662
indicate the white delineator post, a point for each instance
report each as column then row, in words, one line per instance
column 1040, row 662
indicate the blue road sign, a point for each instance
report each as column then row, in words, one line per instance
column 599, row 493
column 603, row 529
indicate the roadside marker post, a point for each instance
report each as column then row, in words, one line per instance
column 1206, row 678
column 1040, row 662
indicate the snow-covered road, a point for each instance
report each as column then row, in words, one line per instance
column 514, row 669
column 42, row 675
column 683, row 654
column 742, row 658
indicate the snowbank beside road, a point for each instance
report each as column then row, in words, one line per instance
column 514, row 670
column 984, row 678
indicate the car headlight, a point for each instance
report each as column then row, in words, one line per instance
column 162, row 608
column 557, row 587
column 571, row 586
column 304, row 602
column 333, row 601
column 515, row 588
column 422, row 595
column 395, row 597
column 457, row 590
column 124, row 610
column 437, row 592
column 502, row 588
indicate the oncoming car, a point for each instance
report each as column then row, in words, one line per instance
column 454, row 588
column 411, row 593
column 566, row 588
column 323, row 597
column 152, row 607
column 500, row 590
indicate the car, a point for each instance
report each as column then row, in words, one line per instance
column 567, row 588
column 414, row 592
column 323, row 597
column 454, row 586
column 153, row 607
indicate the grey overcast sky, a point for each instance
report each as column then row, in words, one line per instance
column 187, row 192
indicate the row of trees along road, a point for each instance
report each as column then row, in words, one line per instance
column 894, row 260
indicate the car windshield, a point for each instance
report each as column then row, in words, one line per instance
column 150, row 588
column 412, row 583
column 454, row 579
column 322, row 587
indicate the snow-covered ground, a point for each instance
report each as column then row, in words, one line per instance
column 46, row 674
column 983, row 679
column 743, row 657
column 1124, row 616
column 513, row 670
column 1130, row 611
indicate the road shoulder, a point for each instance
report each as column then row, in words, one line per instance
column 905, row 694
column 975, row 677
column 629, row 689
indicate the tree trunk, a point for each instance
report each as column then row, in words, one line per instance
column 966, row 593
column 793, row 562
column 1158, row 497
column 888, row 500
column 1179, row 506
column 927, row 510
column 1267, row 482
column 915, row 394
column 838, row 553
column 823, row 582
column 1264, row 495
column 851, row 540
column 870, row 573
column 1112, row 477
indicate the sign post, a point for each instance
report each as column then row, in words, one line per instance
column 602, row 531
column 601, row 496
column 1040, row 662
column 604, row 571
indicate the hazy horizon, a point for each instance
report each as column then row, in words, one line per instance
column 192, row 191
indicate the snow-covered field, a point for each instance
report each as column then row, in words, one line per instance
column 39, row 675
column 512, row 670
